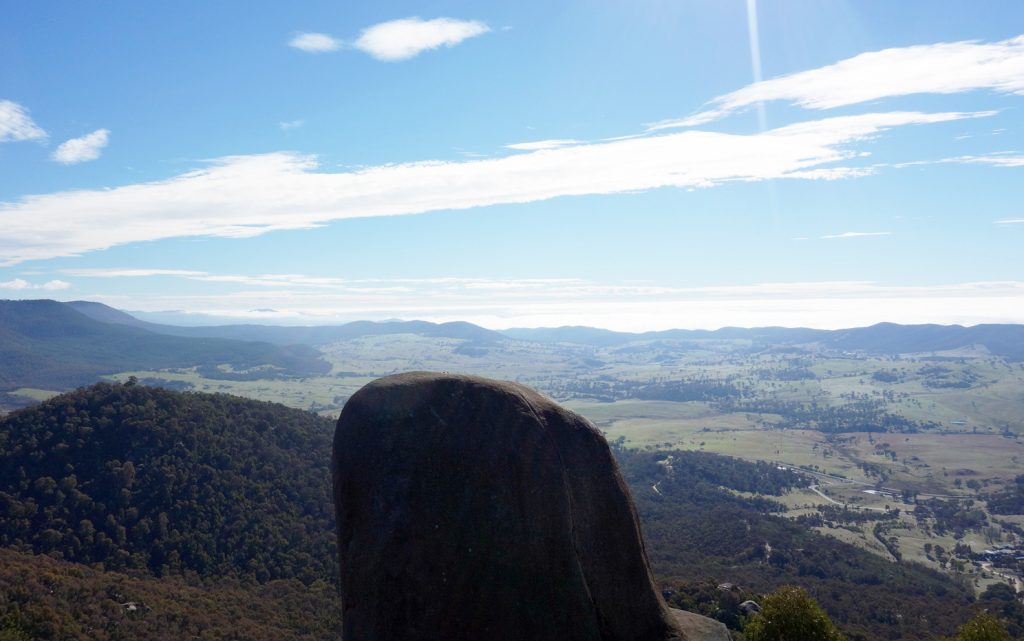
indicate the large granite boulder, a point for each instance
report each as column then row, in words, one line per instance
column 477, row 510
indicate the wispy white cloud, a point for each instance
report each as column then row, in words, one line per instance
column 315, row 42
column 321, row 282
column 16, row 124
column 943, row 68
column 19, row 284
column 622, row 306
column 129, row 272
column 538, row 145
column 244, row 196
column 857, row 234
column 83, row 149
column 406, row 38
column 1010, row 221
column 288, row 125
column 994, row 159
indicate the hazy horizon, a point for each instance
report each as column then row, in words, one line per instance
column 183, row 318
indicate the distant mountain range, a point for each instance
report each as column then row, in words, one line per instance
column 52, row 345
column 1006, row 341
column 1003, row 340
column 292, row 335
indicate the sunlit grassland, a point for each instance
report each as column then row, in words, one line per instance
column 34, row 394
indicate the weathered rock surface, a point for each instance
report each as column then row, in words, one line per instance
column 471, row 509
column 700, row 628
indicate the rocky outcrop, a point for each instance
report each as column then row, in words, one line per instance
column 479, row 510
column 700, row 628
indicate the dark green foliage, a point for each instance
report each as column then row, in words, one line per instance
column 790, row 614
column 127, row 476
column 699, row 475
column 42, row 599
column 861, row 415
column 1001, row 600
column 956, row 516
column 49, row 345
column 887, row 376
column 683, row 390
column 697, row 532
column 720, row 602
column 983, row 627
column 840, row 515
column 938, row 377
column 1010, row 500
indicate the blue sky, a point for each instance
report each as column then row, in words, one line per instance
column 632, row 165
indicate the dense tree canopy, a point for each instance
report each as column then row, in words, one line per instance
column 127, row 476
column 983, row 627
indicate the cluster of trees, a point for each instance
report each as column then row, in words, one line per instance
column 1010, row 500
column 717, row 601
column 680, row 391
column 133, row 477
column 954, row 515
column 702, row 473
column 861, row 415
column 795, row 372
column 889, row 376
column 41, row 598
column 841, row 516
column 939, row 377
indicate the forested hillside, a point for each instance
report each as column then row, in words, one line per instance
column 133, row 477
column 49, row 345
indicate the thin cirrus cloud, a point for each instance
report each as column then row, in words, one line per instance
column 995, row 160
column 538, row 145
column 84, row 149
column 244, row 196
column 942, row 68
column 857, row 234
column 16, row 124
column 1010, row 221
column 397, row 40
column 362, row 285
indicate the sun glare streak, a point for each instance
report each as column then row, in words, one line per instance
column 755, row 57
